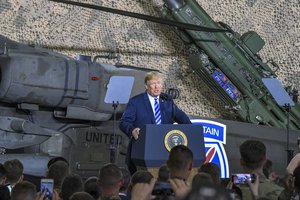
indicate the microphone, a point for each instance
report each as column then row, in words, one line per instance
column 165, row 96
column 170, row 95
column 173, row 93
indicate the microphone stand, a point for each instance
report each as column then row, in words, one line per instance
column 289, row 151
column 173, row 110
column 173, row 94
column 113, row 142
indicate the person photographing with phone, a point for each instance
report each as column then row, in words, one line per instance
column 253, row 157
column 27, row 191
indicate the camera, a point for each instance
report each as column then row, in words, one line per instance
column 47, row 185
column 162, row 189
column 243, row 178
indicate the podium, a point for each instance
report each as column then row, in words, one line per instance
column 154, row 142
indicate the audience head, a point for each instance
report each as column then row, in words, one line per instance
column 180, row 162
column 126, row 178
column 58, row 171
column 201, row 179
column 91, row 187
column 267, row 168
column 253, row 154
column 163, row 173
column 212, row 169
column 2, row 174
column 110, row 180
column 208, row 192
column 81, row 196
column 141, row 176
column 23, row 191
column 14, row 171
column 55, row 159
column 72, row 183
column 269, row 172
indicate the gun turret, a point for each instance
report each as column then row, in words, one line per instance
column 229, row 63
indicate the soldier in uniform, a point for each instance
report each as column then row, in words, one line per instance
column 253, row 157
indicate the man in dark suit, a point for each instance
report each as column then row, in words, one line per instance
column 149, row 108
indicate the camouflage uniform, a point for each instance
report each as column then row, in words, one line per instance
column 265, row 189
column 288, row 195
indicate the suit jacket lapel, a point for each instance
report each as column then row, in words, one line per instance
column 149, row 108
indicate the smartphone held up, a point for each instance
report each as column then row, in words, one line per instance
column 243, row 178
column 47, row 187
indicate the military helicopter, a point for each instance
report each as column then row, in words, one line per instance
column 54, row 105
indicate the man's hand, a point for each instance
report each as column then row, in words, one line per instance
column 180, row 187
column 142, row 191
column 135, row 133
column 41, row 196
column 273, row 176
column 293, row 164
column 289, row 182
column 55, row 195
column 254, row 187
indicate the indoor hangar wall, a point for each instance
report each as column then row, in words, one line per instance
column 74, row 30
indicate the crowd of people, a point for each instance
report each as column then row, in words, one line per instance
column 116, row 183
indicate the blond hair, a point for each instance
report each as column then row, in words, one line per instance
column 151, row 75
